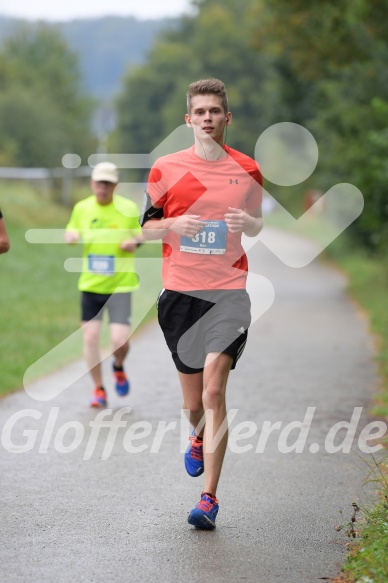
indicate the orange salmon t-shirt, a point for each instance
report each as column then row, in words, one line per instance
column 183, row 183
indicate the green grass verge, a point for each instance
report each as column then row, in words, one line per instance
column 367, row 275
column 368, row 284
column 39, row 298
column 368, row 562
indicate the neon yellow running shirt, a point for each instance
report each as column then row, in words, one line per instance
column 106, row 268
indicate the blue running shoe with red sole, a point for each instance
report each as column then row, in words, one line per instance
column 194, row 457
column 121, row 382
column 204, row 514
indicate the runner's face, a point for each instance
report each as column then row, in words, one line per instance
column 207, row 117
column 103, row 191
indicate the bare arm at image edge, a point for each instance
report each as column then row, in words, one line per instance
column 4, row 239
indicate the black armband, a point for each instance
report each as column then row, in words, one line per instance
column 148, row 211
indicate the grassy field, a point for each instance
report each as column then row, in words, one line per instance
column 39, row 298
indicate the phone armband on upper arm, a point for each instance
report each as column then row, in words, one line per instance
column 148, row 211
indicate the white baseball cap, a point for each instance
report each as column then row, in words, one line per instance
column 105, row 172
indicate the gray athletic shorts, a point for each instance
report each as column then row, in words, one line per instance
column 118, row 306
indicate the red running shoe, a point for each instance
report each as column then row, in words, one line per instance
column 98, row 398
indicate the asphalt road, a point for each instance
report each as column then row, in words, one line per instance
column 69, row 515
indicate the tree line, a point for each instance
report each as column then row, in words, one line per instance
column 321, row 64
column 43, row 111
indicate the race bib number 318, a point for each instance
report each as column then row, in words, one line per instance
column 211, row 240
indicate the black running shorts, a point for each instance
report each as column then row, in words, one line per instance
column 197, row 323
column 118, row 306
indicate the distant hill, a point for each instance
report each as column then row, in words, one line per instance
column 107, row 46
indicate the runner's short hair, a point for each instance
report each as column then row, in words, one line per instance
column 207, row 87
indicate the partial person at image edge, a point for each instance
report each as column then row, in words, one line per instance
column 4, row 239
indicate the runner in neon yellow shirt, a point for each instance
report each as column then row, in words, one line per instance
column 108, row 227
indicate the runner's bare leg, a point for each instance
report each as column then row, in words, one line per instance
column 205, row 393
column 91, row 334
column 216, row 372
column 119, row 334
column 192, row 389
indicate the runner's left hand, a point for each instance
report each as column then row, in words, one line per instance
column 237, row 220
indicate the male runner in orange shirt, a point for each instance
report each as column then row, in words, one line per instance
column 199, row 202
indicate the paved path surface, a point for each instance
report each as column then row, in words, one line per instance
column 65, row 518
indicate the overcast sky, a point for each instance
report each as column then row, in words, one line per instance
column 71, row 9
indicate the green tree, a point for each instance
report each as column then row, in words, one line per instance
column 338, row 52
column 320, row 64
column 43, row 114
column 218, row 42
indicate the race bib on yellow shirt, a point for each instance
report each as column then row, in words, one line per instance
column 101, row 264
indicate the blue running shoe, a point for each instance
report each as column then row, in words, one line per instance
column 194, row 457
column 122, row 383
column 204, row 514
